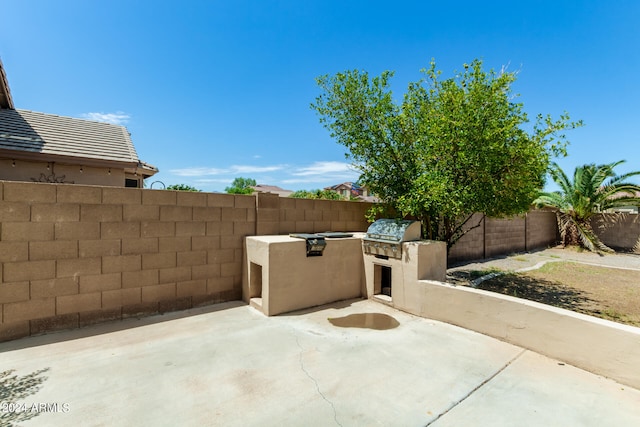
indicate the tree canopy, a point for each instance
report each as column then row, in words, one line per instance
column 451, row 148
column 182, row 187
column 593, row 189
column 316, row 194
column 241, row 186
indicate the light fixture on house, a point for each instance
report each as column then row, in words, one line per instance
column 48, row 166
column 81, row 169
column 109, row 171
column 13, row 164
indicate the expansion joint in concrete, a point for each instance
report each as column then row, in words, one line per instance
column 478, row 387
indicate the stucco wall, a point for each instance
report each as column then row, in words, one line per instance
column 596, row 345
column 424, row 260
column 279, row 277
column 27, row 171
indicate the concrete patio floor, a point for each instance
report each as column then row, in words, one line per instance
column 355, row 363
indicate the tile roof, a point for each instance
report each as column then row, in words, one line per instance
column 5, row 93
column 57, row 136
column 344, row 185
column 262, row 188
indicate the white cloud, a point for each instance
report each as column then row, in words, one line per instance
column 232, row 170
column 326, row 168
column 198, row 171
column 214, row 180
column 255, row 169
column 299, row 181
column 315, row 175
column 117, row 118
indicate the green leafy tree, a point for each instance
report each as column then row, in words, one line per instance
column 241, row 186
column 451, row 148
column 588, row 193
column 316, row 194
column 182, row 187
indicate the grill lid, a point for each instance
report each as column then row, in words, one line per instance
column 394, row 230
column 335, row 235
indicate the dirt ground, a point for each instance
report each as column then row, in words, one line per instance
column 609, row 293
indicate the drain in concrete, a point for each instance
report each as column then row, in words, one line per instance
column 377, row 321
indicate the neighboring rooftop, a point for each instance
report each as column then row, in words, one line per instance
column 262, row 188
column 57, row 137
column 42, row 139
column 351, row 190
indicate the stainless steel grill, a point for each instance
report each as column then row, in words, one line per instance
column 385, row 236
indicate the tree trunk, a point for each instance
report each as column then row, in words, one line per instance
column 571, row 236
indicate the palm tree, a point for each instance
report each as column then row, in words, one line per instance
column 588, row 193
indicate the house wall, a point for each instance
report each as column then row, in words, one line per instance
column 27, row 171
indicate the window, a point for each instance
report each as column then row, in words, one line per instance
column 131, row 183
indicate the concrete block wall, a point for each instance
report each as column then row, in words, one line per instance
column 498, row 236
column 618, row 230
column 282, row 215
column 75, row 255
column 542, row 229
column 472, row 244
column 504, row 235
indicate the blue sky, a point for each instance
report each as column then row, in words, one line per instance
column 212, row 90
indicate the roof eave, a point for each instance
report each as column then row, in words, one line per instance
column 144, row 169
column 35, row 156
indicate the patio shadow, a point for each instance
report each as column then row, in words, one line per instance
column 14, row 389
column 112, row 326
column 542, row 291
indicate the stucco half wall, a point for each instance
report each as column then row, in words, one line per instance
column 596, row 345
column 279, row 277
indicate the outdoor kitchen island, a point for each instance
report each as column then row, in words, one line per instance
column 284, row 273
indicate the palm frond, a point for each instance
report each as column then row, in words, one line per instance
column 559, row 177
column 590, row 240
column 622, row 201
column 587, row 194
column 553, row 200
column 621, row 178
